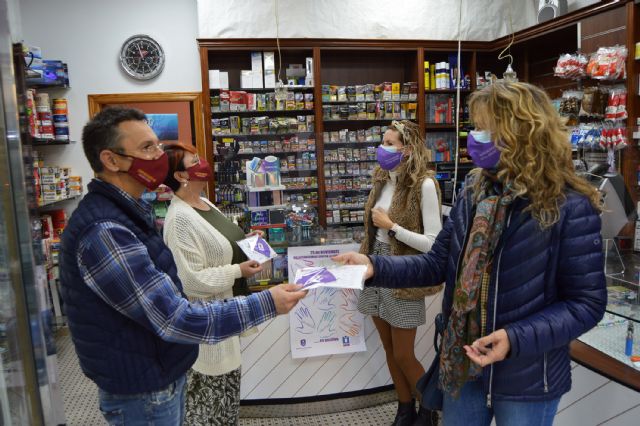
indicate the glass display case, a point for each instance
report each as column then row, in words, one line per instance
column 617, row 335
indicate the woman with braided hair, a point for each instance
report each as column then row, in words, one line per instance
column 402, row 216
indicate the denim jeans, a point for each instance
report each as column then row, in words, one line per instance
column 470, row 408
column 164, row 407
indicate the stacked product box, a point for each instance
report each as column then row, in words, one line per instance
column 235, row 125
column 230, row 101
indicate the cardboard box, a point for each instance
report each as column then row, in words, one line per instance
column 224, row 80
column 246, row 79
column 256, row 62
column 214, row 79
column 269, row 70
column 309, row 69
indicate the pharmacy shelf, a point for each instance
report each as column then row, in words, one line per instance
column 286, row 172
column 48, row 142
column 344, row 208
column 438, row 91
column 310, row 188
column 265, row 188
column 274, row 207
column 348, row 161
column 365, row 120
column 366, row 102
column 346, row 223
column 346, row 176
column 254, row 112
column 434, row 126
column 329, row 145
column 262, row 135
column 273, row 153
column 339, row 191
column 51, row 203
column 264, row 89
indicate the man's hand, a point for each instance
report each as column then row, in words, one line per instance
column 257, row 232
column 381, row 219
column 286, row 296
column 250, row 268
column 353, row 258
column 483, row 355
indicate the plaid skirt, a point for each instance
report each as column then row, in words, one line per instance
column 380, row 302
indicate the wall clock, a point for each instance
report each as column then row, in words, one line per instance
column 142, row 57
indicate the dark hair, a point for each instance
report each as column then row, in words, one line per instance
column 101, row 132
column 175, row 152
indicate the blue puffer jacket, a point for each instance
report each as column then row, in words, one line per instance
column 547, row 288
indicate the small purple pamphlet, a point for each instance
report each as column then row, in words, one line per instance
column 319, row 275
column 262, row 247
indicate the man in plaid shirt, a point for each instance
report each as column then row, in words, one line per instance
column 134, row 331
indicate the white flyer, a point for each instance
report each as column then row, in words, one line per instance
column 345, row 276
column 327, row 321
column 256, row 248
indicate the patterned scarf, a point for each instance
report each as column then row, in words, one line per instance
column 463, row 327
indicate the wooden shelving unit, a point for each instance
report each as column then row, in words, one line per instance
column 350, row 62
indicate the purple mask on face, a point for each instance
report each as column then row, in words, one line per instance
column 388, row 157
column 482, row 150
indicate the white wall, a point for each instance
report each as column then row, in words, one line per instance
column 88, row 34
column 15, row 22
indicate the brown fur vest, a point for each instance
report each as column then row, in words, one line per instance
column 405, row 210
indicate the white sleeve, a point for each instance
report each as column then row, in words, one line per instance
column 431, row 220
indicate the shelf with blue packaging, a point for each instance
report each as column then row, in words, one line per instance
column 262, row 112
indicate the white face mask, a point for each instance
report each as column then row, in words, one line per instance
column 389, row 148
column 481, row 136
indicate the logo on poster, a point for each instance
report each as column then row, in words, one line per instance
column 303, row 342
column 345, row 341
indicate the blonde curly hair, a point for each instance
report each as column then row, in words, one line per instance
column 414, row 167
column 534, row 143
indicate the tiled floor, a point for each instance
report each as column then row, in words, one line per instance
column 81, row 401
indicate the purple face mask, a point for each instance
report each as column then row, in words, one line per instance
column 388, row 157
column 482, row 150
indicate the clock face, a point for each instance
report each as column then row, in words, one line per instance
column 142, row 57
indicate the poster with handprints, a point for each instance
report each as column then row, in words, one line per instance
column 327, row 321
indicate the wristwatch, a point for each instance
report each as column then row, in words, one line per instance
column 391, row 233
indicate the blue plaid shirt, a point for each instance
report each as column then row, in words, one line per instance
column 116, row 266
